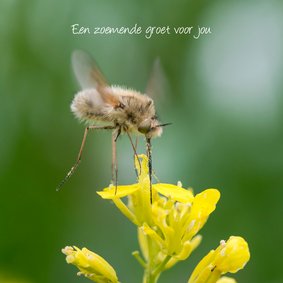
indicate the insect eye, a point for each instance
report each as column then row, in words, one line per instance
column 154, row 117
column 144, row 130
column 145, row 126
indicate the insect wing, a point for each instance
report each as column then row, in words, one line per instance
column 156, row 85
column 86, row 70
column 89, row 76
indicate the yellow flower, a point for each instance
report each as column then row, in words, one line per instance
column 167, row 232
column 91, row 265
column 175, row 223
column 167, row 227
column 138, row 209
column 230, row 256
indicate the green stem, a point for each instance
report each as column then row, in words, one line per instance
column 161, row 266
column 137, row 256
column 151, row 276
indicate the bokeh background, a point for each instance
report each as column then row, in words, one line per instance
column 224, row 98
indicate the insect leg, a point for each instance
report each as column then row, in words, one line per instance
column 136, row 143
column 135, row 150
column 115, row 134
column 148, row 149
column 74, row 167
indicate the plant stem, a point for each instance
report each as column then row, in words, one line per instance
column 161, row 266
column 151, row 276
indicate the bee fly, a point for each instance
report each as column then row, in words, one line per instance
column 108, row 107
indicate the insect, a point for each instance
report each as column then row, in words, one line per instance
column 108, row 107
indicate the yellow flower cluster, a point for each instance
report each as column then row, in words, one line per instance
column 167, row 232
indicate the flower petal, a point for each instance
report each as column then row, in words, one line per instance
column 225, row 279
column 174, row 192
column 232, row 255
column 122, row 191
column 203, row 205
column 229, row 256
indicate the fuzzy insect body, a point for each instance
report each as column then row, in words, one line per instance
column 123, row 108
column 116, row 108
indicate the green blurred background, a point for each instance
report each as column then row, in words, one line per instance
column 224, row 100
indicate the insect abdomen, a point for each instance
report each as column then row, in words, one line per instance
column 87, row 105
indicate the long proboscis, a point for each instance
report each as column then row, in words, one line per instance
column 162, row 125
